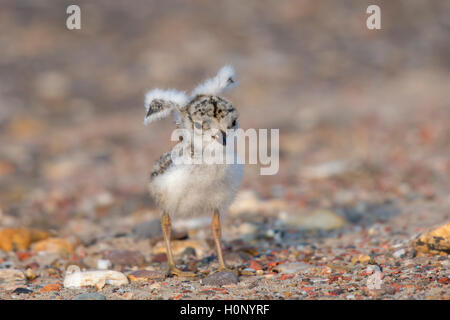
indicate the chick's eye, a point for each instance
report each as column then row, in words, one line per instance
column 197, row 125
column 233, row 124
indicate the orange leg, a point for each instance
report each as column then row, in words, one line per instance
column 166, row 226
column 217, row 234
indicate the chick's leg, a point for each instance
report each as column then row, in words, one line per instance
column 166, row 226
column 217, row 234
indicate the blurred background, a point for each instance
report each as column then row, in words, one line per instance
column 363, row 114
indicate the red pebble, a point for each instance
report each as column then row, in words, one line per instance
column 51, row 287
column 23, row 255
column 255, row 265
column 444, row 280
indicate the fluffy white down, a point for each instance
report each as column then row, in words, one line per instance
column 217, row 85
column 194, row 190
column 172, row 96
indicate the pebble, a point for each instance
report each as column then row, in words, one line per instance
column 220, row 279
column 98, row 278
column 22, row 291
column 363, row 258
column 20, row 238
column 436, row 241
column 57, row 246
column 125, row 258
column 30, row 274
column 11, row 275
column 293, row 267
column 373, row 268
column 103, row 264
column 89, row 296
column 397, row 254
column 146, row 275
column 51, row 287
column 46, row 259
column 248, row 271
column 155, row 286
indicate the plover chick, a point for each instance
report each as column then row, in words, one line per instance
column 182, row 183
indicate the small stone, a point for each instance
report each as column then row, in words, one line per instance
column 51, row 287
column 29, row 274
column 363, row 258
column 57, row 246
column 20, row 238
column 89, row 296
column 293, row 267
column 255, row 265
column 32, row 266
column 436, row 241
column 220, row 279
column 146, row 275
column 125, row 258
column 46, row 259
column 103, row 264
column 22, row 291
column 248, row 272
column 397, row 254
column 23, row 255
column 155, row 286
column 373, row 268
column 11, row 275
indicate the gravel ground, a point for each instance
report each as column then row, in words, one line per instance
column 364, row 149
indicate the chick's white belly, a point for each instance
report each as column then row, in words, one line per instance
column 191, row 190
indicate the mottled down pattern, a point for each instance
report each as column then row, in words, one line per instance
column 161, row 165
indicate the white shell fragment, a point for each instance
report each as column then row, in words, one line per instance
column 97, row 278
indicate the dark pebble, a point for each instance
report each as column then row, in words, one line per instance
column 22, row 291
column 220, row 279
